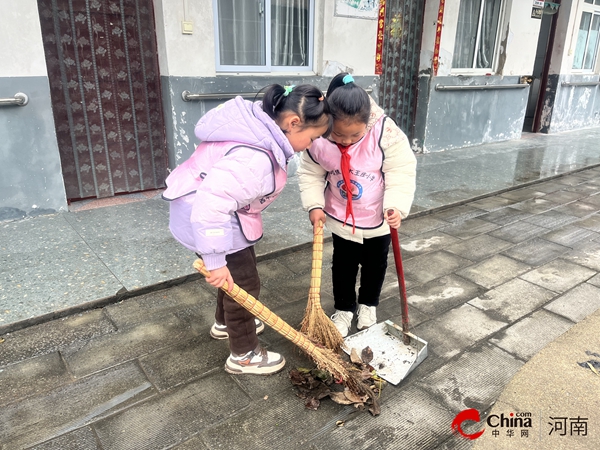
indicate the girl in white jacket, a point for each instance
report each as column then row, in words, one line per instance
column 361, row 179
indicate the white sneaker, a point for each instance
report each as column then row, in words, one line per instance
column 366, row 317
column 342, row 321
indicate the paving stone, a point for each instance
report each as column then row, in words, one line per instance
column 55, row 335
column 558, row 275
column 578, row 209
column 529, row 335
column 512, row 300
column 289, row 424
column 518, row 232
column 572, row 236
column 459, row 213
column 591, row 223
column 124, row 345
column 194, row 443
column 493, row 271
column 589, row 256
column 425, row 243
column 454, row 331
column 173, row 417
column 430, row 266
column 155, row 305
column 421, row 426
column 563, row 196
column 550, row 219
column 470, row 228
column 505, row 216
column 186, row 360
column 474, row 380
column 535, row 252
column 300, row 262
column 548, row 186
column 443, row 294
column 571, row 180
column 535, row 206
column 593, row 199
column 493, row 203
column 578, row 303
column 479, row 247
column 419, row 225
column 83, row 438
column 38, row 419
column 31, row 377
column 595, row 280
column 523, row 193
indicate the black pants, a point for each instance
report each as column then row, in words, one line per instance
column 372, row 256
column 239, row 321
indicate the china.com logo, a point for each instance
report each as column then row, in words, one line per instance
column 518, row 420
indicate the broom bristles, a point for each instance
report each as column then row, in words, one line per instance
column 324, row 358
column 315, row 324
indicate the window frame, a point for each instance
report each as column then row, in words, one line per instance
column 476, row 70
column 594, row 10
column 268, row 67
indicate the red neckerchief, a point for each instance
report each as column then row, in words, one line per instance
column 345, row 160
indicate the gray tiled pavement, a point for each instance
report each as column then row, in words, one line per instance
column 491, row 283
column 143, row 372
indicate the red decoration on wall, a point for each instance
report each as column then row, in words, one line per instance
column 438, row 37
column 379, row 48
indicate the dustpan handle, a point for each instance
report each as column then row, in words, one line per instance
column 401, row 282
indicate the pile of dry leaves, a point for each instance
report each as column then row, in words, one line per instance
column 313, row 385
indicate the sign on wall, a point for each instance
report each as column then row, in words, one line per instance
column 360, row 9
column 537, row 9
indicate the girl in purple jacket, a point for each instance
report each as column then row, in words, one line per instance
column 217, row 196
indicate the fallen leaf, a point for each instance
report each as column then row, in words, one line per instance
column 367, row 355
column 340, row 398
column 312, row 403
column 355, row 398
column 593, row 369
column 1, row 340
column 354, row 357
column 266, row 397
column 340, row 423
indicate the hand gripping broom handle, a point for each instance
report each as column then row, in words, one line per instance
column 259, row 310
column 401, row 282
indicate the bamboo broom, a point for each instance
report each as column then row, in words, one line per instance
column 324, row 358
column 316, row 324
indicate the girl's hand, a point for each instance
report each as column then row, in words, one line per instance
column 393, row 218
column 315, row 215
column 219, row 276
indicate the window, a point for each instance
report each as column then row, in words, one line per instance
column 586, row 50
column 263, row 35
column 476, row 34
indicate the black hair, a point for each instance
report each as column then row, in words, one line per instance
column 347, row 100
column 304, row 100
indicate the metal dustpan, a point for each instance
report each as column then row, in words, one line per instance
column 396, row 351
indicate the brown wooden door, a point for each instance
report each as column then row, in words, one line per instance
column 105, row 86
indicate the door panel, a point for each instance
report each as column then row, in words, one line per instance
column 103, row 70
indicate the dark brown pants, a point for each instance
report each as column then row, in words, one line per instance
column 239, row 321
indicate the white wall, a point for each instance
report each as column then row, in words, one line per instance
column 21, row 48
column 522, row 38
column 565, row 39
column 349, row 44
column 191, row 55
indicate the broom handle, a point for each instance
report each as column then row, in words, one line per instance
column 259, row 310
column 317, row 263
column 401, row 282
